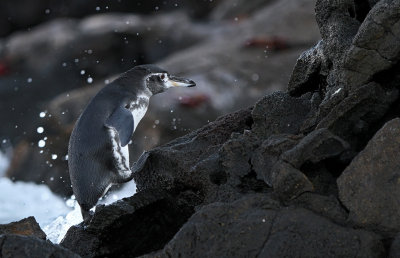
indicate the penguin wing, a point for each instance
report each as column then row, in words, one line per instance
column 122, row 121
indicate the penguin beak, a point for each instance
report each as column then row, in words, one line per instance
column 174, row 81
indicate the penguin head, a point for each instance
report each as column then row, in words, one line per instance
column 158, row 80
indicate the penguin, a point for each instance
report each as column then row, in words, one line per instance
column 98, row 154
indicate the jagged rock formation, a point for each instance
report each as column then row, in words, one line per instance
column 24, row 238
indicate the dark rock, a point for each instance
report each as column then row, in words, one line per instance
column 257, row 226
column 306, row 75
column 395, row 247
column 24, row 227
column 326, row 206
column 288, row 182
column 318, row 145
column 175, row 163
column 132, row 226
column 265, row 157
column 29, row 246
column 279, row 113
column 353, row 118
column 376, row 47
column 235, row 156
column 369, row 185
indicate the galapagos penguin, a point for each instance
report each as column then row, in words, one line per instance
column 98, row 154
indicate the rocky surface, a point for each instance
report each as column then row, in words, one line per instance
column 27, row 246
column 307, row 173
column 24, row 227
column 25, row 238
column 369, row 186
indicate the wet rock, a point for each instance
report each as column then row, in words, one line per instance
column 132, row 226
column 369, row 186
column 29, row 246
column 257, row 226
column 318, row 145
column 279, row 113
column 288, row 182
column 24, row 227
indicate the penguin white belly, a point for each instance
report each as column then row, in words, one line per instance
column 120, row 154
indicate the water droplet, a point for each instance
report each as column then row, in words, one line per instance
column 90, row 51
column 89, row 79
column 157, row 122
column 29, row 80
column 53, row 156
column 64, row 64
column 47, row 11
column 83, row 72
column 40, row 129
column 41, row 143
column 98, row 8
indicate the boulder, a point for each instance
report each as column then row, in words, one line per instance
column 24, row 227
column 132, row 226
column 279, row 113
column 29, row 246
column 258, row 226
column 369, row 186
column 288, row 182
column 315, row 147
column 264, row 158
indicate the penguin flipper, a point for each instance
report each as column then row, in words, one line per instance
column 122, row 121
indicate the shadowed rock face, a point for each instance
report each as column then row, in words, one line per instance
column 309, row 172
column 29, row 246
column 24, row 227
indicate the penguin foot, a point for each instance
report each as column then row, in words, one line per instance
column 139, row 164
